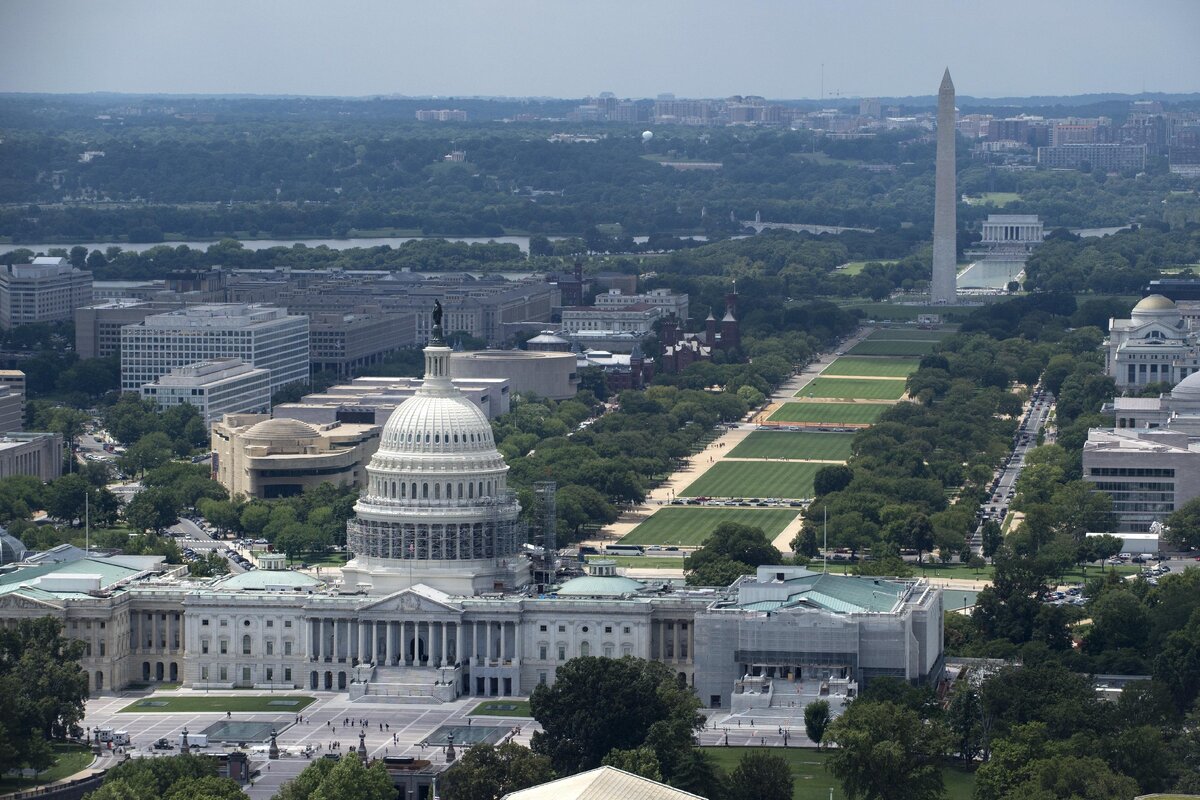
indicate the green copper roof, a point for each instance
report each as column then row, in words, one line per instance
column 109, row 572
column 596, row 586
column 270, row 579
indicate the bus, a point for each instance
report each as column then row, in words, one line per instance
column 624, row 550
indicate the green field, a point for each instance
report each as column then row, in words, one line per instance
column 68, row 759
column 873, row 367
column 811, row 781
column 831, row 413
column 892, row 347
column 855, row 267
column 1000, row 198
column 788, row 479
column 818, row 445
column 691, row 526
column 278, row 703
column 502, row 708
column 908, row 334
column 853, row 389
column 674, row 562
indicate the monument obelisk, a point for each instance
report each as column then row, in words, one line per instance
column 943, row 288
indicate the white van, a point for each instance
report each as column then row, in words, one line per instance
column 195, row 740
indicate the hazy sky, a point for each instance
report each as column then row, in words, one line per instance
column 570, row 48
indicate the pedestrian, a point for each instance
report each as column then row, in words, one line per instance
column 387, row 725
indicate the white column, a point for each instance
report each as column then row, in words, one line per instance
column 362, row 641
column 391, row 650
column 444, row 629
column 321, row 639
column 691, row 656
column 503, row 648
column 675, row 640
column 458, row 642
column 336, row 638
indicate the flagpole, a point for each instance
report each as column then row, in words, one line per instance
column 825, row 547
column 87, row 526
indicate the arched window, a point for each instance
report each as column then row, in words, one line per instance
column 413, row 493
column 481, row 489
column 585, row 649
column 403, row 489
column 437, row 439
column 456, row 438
column 471, row 490
column 460, row 490
column 437, row 491
column 246, row 645
column 425, row 491
column 449, row 493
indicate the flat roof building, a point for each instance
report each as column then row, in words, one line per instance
column 528, row 372
column 665, row 299
column 342, row 342
column 371, row 400
column 264, row 336
column 215, row 388
column 98, row 325
column 637, row 318
column 48, row 290
column 1148, row 473
column 1103, row 157
column 33, row 453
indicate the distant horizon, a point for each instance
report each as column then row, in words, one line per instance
column 930, row 98
column 535, row 48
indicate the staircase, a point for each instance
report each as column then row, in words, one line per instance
column 401, row 684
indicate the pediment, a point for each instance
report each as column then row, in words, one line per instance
column 15, row 600
column 417, row 600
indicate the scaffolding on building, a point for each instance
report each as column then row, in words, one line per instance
column 544, row 532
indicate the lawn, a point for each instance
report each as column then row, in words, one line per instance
column 811, row 781
column 818, row 445
column 277, row 703
column 873, row 367
column 691, row 526
column 69, row 759
column 999, row 198
column 645, row 562
column 892, row 347
column 854, row 389
column 788, row 479
column 908, row 334
column 855, row 267
column 831, row 413
column 501, row 708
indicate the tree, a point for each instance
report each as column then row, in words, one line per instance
column 1183, row 526
column 65, row 498
column 993, row 537
column 761, row 776
column 643, row 705
column 816, row 720
column 1072, row 777
column 42, row 690
column 1105, row 546
column 964, row 718
column 351, row 780
column 150, row 451
column 639, row 761
column 152, row 509
column 887, row 752
column 208, row 788
column 735, row 547
column 485, row 772
column 832, row 478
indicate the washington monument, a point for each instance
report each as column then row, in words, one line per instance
column 945, row 226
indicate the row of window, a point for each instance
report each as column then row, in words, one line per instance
column 223, row 672
column 247, row 646
column 1132, row 472
column 224, row 622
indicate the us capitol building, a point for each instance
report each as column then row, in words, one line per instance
column 437, row 601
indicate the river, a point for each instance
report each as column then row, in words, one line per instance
column 333, row 244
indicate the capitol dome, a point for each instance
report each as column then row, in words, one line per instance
column 436, row 509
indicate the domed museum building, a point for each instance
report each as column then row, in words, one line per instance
column 437, row 600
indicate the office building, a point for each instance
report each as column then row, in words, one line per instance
column 668, row 301
column 12, row 400
column 32, row 453
column 370, row 400
column 263, row 336
column 98, row 325
column 636, row 319
column 215, row 388
column 1102, row 157
column 343, row 342
column 1148, row 472
column 256, row 456
column 48, row 290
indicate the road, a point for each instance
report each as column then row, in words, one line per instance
column 193, row 536
column 1037, row 412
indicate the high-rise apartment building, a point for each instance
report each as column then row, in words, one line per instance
column 48, row 290
column 263, row 336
